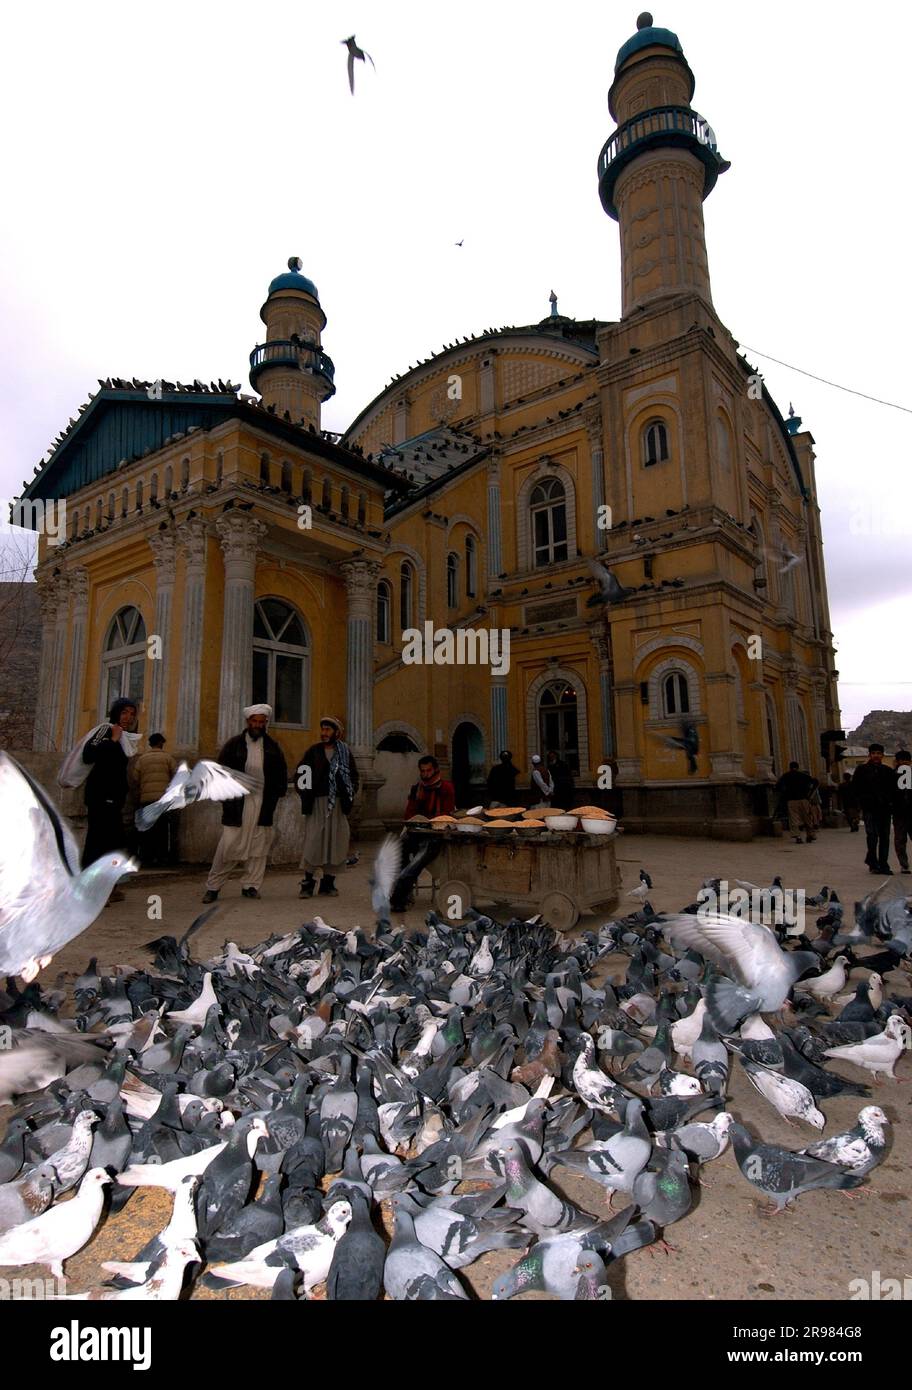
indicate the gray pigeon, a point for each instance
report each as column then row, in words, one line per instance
column 407, row 1262
column 783, row 1175
column 615, row 1163
column 208, row 781
column 45, row 898
column 663, row 1194
column 543, row 1210
column 25, row 1198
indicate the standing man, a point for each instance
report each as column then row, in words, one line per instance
column 902, row 807
column 502, row 781
column 108, row 753
column 247, row 830
column 327, row 781
column 794, row 788
column 562, row 778
column 431, row 796
column 875, row 785
column 540, row 782
column 150, row 774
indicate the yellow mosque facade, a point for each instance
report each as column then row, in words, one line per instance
column 221, row 547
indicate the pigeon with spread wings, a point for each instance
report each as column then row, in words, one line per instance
column 207, row 781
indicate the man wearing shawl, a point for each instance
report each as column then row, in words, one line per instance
column 105, row 753
column 327, row 780
column 247, row 829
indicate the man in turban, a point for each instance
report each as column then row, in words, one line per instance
column 247, row 830
column 327, row 780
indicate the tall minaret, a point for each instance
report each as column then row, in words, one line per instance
column 657, row 168
column 290, row 370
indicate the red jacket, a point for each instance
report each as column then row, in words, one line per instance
column 434, row 799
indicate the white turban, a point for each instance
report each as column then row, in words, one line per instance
column 258, row 709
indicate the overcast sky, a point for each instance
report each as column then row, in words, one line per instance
column 163, row 162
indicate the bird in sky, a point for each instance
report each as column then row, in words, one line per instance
column 355, row 52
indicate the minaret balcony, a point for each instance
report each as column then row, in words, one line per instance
column 291, row 352
column 658, row 128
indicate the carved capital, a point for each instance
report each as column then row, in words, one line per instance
column 239, row 536
column 163, row 545
column 193, row 534
column 360, row 580
column 79, row 586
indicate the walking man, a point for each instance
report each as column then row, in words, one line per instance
column 875, row 785
column 902, row 807
column 150, row 774
column 795, row 788
column 247, row 829
column 327, row 781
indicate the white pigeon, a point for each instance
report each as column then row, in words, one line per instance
column 196, row 1012
column 793, row 1100
column 827, row 985
column 875, row 993
column 45, row 898
column 387, row 864
column 181, row 1227
column 877, row 1054
column 164, row 1286
column 57, row 1234
column 308, row 1248
column 860, row 1148
column 482, row 962
column 685, row 1032
column 208, row 781
column 592, row 1085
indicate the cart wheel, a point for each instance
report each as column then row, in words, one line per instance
column 559, row 911
column 452, row 899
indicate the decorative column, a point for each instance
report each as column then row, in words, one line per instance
column 361, row 587
column 164, row 556
column 499, row 740
column 79, row 589
column 239, row 536
column 495, row 543
column 763, row 762
column 193, row 535
column 597, row 456
column 602, row 642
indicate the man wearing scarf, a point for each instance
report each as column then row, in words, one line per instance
column 327, row 780
column 106, row 750
column 247, row 829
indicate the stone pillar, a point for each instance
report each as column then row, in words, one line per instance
column 193, row 535
column 602, row 641
column 79, row 589
column 361, row 587
column 597, row 456
column 239, row 536
column 47, row 598
column 499, row 734
column 164, row 556
column 54, row 700
column 495, row 542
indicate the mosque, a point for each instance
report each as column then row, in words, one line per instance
column 222, row 548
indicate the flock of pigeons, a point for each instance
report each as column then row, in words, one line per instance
column 295, row 1095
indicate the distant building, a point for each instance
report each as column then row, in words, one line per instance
column 472, row 492
column 20, row 654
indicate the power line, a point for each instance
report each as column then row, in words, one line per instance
column 851, row 391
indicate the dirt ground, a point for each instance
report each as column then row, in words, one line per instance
column 723, row 1248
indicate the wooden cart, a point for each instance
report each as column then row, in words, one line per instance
column 560, row 875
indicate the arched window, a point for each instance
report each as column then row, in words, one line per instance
column 797, row 732
column 139, row 497
column 185, row 474
column 327, row 494
column 675, row 695
column 169, row 482
column 548, row 509
column 558, row 723
column 307, row 486
column 280, row 660
column 362, row 508
column 655, row 443
column 123, row 663
column 384, row 613
column 286, row 476
column 264, row 468
column 397, row 743
column 723, row 441
column 452, row 581
column 471, row 567
column 406, row 595
column 153, row 488
column 343, row 502
column 125, row 501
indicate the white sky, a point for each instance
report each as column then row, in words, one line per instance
column 163, row 162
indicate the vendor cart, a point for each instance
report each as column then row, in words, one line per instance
column 559, row 874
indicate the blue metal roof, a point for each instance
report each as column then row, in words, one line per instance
column 647, row 38
column 294, row 280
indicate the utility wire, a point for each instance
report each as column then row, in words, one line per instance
column 864, row 395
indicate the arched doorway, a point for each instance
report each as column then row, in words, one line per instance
column 468, row 765
column 558, row 723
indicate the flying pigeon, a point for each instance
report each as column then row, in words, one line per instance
column 354, row 52
column 45, row 900
column 386, row 871
column 609, row 589
column 689, row 742
column 207, row 781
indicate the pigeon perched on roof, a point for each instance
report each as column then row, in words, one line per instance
column 45, row 898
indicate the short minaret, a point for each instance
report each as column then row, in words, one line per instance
column 290, row 370
column 657, row 168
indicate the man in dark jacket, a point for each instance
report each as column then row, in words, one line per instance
column 795, row 787
column 502, row 781
column 247, row 831
column 848, row 801
column 107, row 784
column 327, row 780
column 432, row 795
column 562, row 777
column 876, row 788
column 902, row 807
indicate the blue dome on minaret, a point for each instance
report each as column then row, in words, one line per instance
column 292, row 279
column 648, row 36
